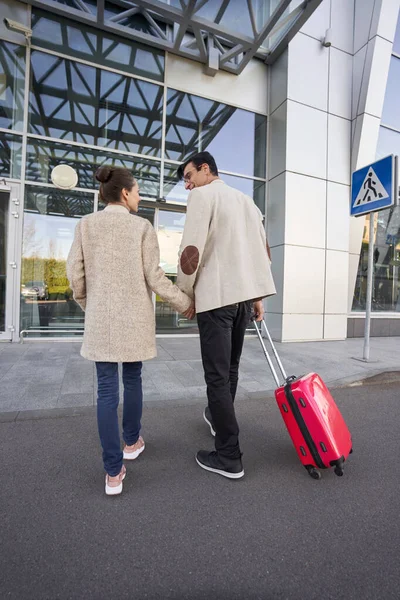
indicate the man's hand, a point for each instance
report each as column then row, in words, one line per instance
column 258, row 308
column 190, row 312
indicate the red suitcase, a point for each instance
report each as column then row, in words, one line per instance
column 314, row 422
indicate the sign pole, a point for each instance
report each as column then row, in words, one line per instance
column 367, row 330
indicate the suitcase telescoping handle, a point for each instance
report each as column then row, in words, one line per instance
column 274, row 350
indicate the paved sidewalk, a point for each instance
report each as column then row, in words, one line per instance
column 52, row 375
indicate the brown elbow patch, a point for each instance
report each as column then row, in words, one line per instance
column 189, row 260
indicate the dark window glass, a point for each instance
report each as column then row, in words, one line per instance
column 195, row 124
column 386, row 282
column 43, row 156
column 12, row 82
column 50, row 219
column 174, row 190
column 89, row 5
column 10, row 155
column 391, row 113
column 52, row 201
column 82, row 41
column 386, row 271
column 76, row 102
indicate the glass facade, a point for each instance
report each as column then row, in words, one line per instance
column 386, row 273
column 96, row 99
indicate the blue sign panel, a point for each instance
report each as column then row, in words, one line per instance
column 373, row 187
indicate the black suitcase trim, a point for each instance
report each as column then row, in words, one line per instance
column 303, row 427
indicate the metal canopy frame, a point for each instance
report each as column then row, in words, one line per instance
column 181, row 31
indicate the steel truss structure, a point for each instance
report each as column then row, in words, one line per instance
column 180, row 27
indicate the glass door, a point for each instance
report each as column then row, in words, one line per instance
column 169, row 230
column 8, row 265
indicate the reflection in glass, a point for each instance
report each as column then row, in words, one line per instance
column 50, row 219
column 4, row 198
column 391, row 113
column 388, row 143
column 170, row 229
column 386, row 274
column 82, row 41
column 77, row 102
column 174, row 190
column 10, row 155
column 195, row 124
column 12, row 82
column 43, row 156
column 254, row 189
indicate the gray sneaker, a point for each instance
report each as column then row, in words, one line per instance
column 208, row 419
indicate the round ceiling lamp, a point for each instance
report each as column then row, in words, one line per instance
column 64, row 177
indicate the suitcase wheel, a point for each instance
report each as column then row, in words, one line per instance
column 338, row 471
column 313, row 472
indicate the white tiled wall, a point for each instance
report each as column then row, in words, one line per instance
column 335, row 327
column 298, row 328
column 340, row 83
column 319, row 21
column 342, row 24
column 248, row 91
column 312, row 197
column 278, row 82
column 305, row 211
column 276, row 211
column 278, row 260
column 333, row 108
column 339, row 138
column 277, row 141
column 381, row 54
column 387, row 19
column 337, row 217
column 304, row 280
column 308, row 85
column 336, row 282
column 306, row 140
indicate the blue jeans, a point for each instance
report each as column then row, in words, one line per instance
column 107, row 404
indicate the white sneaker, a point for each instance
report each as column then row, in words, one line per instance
column 114, row 484
column 132, row 452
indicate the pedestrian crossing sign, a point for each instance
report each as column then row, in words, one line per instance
column 374, row 187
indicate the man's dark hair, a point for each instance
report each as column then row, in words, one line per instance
column 199, row 159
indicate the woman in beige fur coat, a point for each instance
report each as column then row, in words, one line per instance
column 113, row 268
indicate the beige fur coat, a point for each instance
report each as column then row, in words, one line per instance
column 113, row 267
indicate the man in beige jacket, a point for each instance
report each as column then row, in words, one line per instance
column 225, row 267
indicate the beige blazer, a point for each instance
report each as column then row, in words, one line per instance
column 223, row 254
column 113, row 267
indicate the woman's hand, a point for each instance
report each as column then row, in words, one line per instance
column 190, row 312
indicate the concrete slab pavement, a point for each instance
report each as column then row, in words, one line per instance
column 53, row 375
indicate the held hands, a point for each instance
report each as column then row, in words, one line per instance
column 190, row 312
column 258, row 309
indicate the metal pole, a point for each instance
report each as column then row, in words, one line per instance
column 368, row 305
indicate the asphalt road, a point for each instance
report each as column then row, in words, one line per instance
column 178, row 532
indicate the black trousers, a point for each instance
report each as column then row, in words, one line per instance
column 221, row 339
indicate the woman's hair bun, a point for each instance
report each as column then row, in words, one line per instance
column 103, row 174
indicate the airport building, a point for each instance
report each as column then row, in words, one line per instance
column 289, row 96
